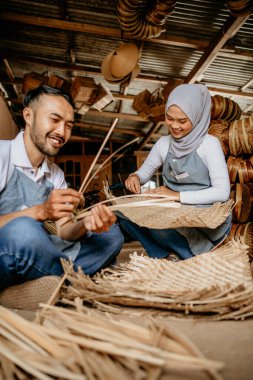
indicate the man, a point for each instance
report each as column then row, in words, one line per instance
column 33, row 190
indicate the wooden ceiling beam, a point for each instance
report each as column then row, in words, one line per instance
column 223, row 91
column 248, row 84
column 117, row 115
column 230, row 51
column 231, row 26
column 105, row 129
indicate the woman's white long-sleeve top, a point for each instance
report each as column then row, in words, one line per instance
column 211, row 153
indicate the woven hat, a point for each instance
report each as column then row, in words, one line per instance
column 121, row 64
column 124, row 60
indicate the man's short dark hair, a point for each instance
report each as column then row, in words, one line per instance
column 32, row 96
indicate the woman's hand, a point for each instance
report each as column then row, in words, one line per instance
column 175, row 195
column 100, row 220
column 133, row 184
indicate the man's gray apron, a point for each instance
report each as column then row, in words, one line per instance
column 189, row 173
column 21, row 192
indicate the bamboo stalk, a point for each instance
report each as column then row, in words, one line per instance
column 98, row 154
column 102, row 166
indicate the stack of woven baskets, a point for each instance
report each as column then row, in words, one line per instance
column 144, row 19
column 236, row 137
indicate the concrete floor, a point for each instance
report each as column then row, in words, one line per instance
column 230, row 342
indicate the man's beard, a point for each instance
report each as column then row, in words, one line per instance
column 40, row 142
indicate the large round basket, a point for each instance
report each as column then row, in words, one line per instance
column 241, row 136
column 240, row 170
column 240, row 8
column 224, row 108
column 241, row 195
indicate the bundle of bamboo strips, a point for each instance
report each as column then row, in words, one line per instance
column 217, row 283
column 82, row 344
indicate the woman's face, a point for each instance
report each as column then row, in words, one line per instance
column 178, row 123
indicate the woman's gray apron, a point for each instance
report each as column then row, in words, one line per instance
column 21, row 192
column 189, row 173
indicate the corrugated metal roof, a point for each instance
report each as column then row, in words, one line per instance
column 189, row 29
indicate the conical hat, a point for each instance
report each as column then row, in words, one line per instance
column 123, row 60
column 106, row 69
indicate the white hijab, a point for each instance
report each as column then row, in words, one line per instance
column 195, row 101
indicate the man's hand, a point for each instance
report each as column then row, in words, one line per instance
column 175, row 196
column 133, row 184
column 100, row 220
column 60, row 203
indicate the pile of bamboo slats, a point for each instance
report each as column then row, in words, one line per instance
column 216, row 284
column 84, row 344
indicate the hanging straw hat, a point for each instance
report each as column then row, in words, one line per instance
column 121, row 64
column 124, row 60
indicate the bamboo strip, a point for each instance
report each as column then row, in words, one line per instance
column 102, row 166
column 31, row 332
column 21, row 363
column 98, row 154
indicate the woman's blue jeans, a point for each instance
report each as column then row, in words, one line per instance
column 158, row 243
column 27, row 253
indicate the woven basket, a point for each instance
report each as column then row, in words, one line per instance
column 33, row 80
column 240, row 170
column 241, row 137
column 240, row 8
column 224, row 108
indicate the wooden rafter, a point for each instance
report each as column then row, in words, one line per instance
column 103, row 128
column 248, row 84
column 11, row 76
column 232, row 25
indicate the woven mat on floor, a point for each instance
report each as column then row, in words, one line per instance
column 161, row 217
column 30, row 294
column 218, row 282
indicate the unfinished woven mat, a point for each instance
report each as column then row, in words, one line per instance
column 218, row 282
column 85, row 345
column 162, row 217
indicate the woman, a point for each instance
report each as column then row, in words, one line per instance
column 194, row 173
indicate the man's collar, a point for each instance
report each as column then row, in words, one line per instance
column 20, row 157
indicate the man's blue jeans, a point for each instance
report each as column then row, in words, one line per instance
column 27, row 253
column 158, row 243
